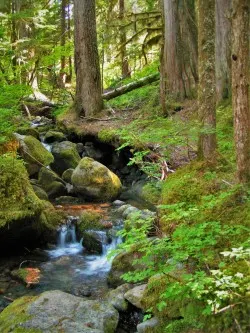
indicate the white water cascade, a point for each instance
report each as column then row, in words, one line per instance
column 67, row 242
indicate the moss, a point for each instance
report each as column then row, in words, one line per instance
column 17, row 198
column 15, row 314
column 28, row 131
column 40, row 192
column 52, row 136
column 151, row 192
column 93, row 179
column 90, row 220
column 37, row 151
column 50, row 218
column 66, row 156
column 107, row 135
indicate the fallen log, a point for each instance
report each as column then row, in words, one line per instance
column 131, row 86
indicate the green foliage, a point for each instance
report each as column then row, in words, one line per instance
column 203, row 256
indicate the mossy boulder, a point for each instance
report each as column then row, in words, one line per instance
column 93, row 180
column 89, row 220
column 51, row 183
column 66, row 176
column 65, row 155
column 29, row 131
column 56, row 312
column 56, row 189
column 54, row 136
column 92, row 241
column 40, row 192
column 33, row 153
column 25, row 220
column 117, row 299
column 122, row 263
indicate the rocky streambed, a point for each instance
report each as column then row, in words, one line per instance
column 67, row 284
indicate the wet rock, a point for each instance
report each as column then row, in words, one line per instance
column 29, row 131
column 66, row 176
column 51, row 183
column 54, row 136
column 81, row 291
column 93, row 241
column 80, row 148
column 117, row 299
column 68, row 200
column 130, row 211
column 56, row 311
column 121, row 209
column 33, row 153
column 93, row 180
column 40, row 193
column 118, row 203
column 92, row 152
column 65, row 156
column 148, row 326
column 28, row 276
column 135, row 295
column 89, row 220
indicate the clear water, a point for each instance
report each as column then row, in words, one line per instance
column 68, row 266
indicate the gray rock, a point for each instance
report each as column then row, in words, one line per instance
column 116, row 297
column 94, row 180
column 134, row 296
column 93, row 240
column 118, row 203
column 80, row 148
column 54, row 136
column 66, row 176
column 93, row 152
column 65, row 156
column 121, row 209
column 129, row 211
column 51, row 183
column 148, row 326
column 56, row 311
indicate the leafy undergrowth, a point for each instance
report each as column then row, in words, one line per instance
column 199, row 265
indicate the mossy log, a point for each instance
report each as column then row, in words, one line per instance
column 131, row 86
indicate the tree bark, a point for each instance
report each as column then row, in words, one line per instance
column 171, row 49
column 62, row 77
column 206, row 93
column 131, row 86
column 240, row 87
column 88, row 101
column 123, row 38
column 223, row 49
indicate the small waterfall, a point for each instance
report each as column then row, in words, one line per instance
column 67, row 242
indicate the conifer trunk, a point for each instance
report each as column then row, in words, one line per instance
column 207, row 94
column 240, row 87
column 123, row 38
column 223, row 49
column 88, row 101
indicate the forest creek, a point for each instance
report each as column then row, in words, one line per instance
column 124, row 166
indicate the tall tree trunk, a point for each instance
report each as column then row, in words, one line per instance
column 171, row 49
column 240, row 87
column 223, row 49
column 123, row 38
column 88, row 99
column 207, row 94
column 69, row 76
column 62, row 77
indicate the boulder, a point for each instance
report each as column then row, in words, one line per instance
column 33, row 153
column 65, row 156
column 92, row 152
column 80, row 148
column 121, row 264
column 118, row 203
column 40, row 192
column 51, row 183
column 54, row 136
column 29, row 131
column 67, row 200
column 93, row 241
column 93, row 180
column 89, row 220
column 56, row 189
column 135, row 295
column 56, row 312
column 66, row 176
column 149, row 326
column 117, row 299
